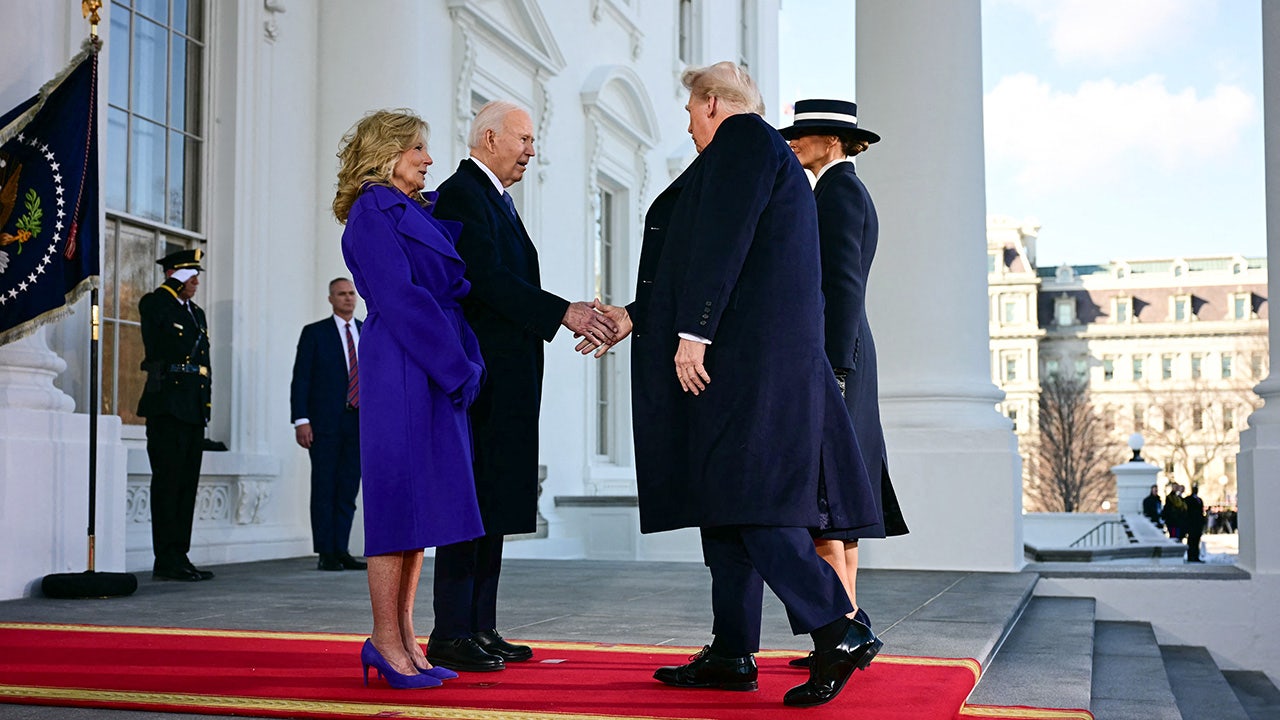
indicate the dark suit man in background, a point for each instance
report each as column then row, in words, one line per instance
column 176, row 402
column 1193, row 523
column 324, row 398
column 1151, row 506
column 512, row 317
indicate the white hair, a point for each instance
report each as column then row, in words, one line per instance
column 726, row 81
column 493, row 117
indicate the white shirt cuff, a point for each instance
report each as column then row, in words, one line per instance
column 695, row 338
column 301, row 421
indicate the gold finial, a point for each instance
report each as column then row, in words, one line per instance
column 89, row 9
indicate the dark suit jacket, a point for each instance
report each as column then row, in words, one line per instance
column 731, row 254
column 512, row 317
column 176, row 343
column 319, row 388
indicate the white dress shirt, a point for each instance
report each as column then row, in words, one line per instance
column 342, row 336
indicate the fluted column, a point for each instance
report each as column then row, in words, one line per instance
column 1259, row 460
column 952, row 456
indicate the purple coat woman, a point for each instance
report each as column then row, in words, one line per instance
column 419, row 372
column 420, row 368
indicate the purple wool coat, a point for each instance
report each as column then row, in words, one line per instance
column 420, row 369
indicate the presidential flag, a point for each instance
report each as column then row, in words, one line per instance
column 49, row 199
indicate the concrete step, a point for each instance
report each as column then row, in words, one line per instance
column 1129, row 680
column 1047, row 659
column 966, row 618
column 1198, row 686
column 1256, row 693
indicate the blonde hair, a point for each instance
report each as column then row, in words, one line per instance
column 726, row 81
column 369, row 151
column 493, row 116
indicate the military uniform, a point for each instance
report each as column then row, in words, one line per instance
column 176, row 403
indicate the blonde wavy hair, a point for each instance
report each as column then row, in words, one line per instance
column 726, row 81
column 369, row 151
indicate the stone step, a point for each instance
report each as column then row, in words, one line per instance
column 968, row 617
column 1256, row 693
column 1129, row 679
column 1047, row 659
column 1198, row 686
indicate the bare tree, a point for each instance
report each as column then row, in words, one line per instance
column 1199, row 422
column 1072, row 455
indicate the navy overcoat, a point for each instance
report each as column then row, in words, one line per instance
column 513, row 317
column 731, row 254
column 420, row 369
column 849, row 229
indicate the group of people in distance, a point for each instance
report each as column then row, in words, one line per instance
column 755, row 409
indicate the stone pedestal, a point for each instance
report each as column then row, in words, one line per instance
column 44, row 465
column 1133, row 484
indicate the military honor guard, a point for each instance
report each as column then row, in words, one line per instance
column 176, row 403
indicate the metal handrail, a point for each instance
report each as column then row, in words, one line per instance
column 1105, row 534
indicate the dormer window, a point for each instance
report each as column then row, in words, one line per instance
column 1122, row 307
column 1064, row 311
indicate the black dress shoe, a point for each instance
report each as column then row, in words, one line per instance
column 708, row 670
column 832, row 667
column 330, row 563
column 175, row 572
column 350, row 563
column 804, row 662
column 462, row 654
column 204, row 574
column 491, row 642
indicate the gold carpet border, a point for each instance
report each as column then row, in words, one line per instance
column 245, row 704
column 970, row 664
column 992, row 711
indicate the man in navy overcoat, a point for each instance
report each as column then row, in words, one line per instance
column 512, row 317
column 325, row 414
column 735, row 435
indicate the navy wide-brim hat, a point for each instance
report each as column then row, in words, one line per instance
column 827, row 117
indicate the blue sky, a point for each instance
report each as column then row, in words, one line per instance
column 1125, row 128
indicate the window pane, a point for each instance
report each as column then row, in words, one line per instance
column 1122, row 311
column 187, row 15
column 146, row 170
column 114, row 187
column 136, row 268
column 184, row 166
column 108, row 347
column 1226, row 366
column 150, row 43
column 1137, row 368
column 118, row 88
column 1180, row 310
column 1240, row 311
column 1166, row 367
column 157, row 10
column 131, row 378
column 108, row 294
column 184, row 102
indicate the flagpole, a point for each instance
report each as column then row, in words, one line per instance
column 90, row 583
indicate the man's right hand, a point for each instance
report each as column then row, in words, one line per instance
column 585, row 321
column 303, row 435
column 619, row 317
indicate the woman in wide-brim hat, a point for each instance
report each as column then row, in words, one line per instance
column 825, row 136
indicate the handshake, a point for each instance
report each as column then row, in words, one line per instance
column 600, row 326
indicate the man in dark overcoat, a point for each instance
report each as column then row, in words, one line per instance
column 175, row 401
column 512, row 317
column 738, row 441
column 324, row 402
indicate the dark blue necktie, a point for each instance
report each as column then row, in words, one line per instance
column 511, row 204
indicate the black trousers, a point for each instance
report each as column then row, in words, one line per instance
column 744, row 557
column 335, row 482
column 1193, row 544
column 175, row 449
column 466, row 587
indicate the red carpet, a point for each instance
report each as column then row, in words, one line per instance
column 313, row 675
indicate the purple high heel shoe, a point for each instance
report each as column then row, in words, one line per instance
column 436, row 671
column 370, row 657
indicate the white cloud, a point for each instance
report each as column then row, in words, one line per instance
column 1050, row 139
column 1108, row 31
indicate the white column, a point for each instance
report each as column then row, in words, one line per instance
column 953, row 458
column 1259, row 459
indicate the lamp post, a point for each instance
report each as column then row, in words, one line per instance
column 1134, row 480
